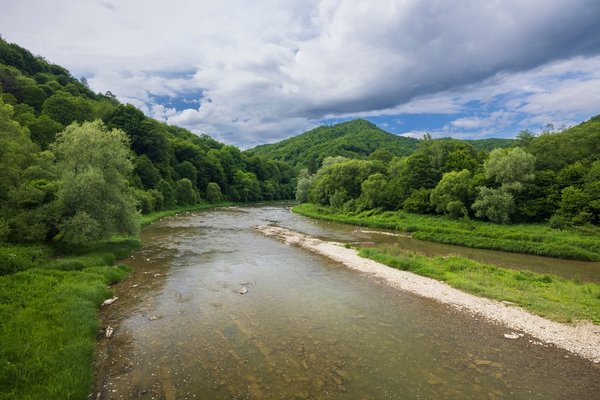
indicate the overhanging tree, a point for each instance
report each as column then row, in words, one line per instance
column 93, row 200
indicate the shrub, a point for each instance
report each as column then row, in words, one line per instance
column 557, row 221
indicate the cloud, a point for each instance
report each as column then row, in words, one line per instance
column 265, row 70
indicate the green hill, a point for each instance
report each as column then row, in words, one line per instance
column 352, row 139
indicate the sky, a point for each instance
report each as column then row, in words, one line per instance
column 254, row 72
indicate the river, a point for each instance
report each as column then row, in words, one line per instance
column 307, row 328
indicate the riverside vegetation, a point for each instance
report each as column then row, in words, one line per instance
column 81, row 172
column 539, row 195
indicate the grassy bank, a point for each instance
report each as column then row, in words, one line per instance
column 48, row 331
column 536, row 239
column 549, row 296
column 49, row 296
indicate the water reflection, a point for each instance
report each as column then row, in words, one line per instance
column 306, row 328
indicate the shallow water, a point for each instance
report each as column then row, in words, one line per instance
column 306, row 328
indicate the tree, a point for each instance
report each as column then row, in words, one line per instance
column 525, row 138
column 451, row 195
column 373, row 193
column 246, row 186
column 64, row 108
column 146, row 171
column 303, row 187
column 495, row 204
column 93, row 198
column 213, row 192
column 187, row 170
column 510, row 168
column 185, row 193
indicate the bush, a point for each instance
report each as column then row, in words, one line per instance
column 557, row 221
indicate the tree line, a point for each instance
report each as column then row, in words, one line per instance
column 554, row 176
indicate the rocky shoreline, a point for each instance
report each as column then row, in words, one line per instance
column 582, row 339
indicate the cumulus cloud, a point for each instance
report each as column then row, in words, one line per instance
column 266, row 70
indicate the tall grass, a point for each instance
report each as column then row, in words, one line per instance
column 48, row 327
column 48, row 323
column 549, row 296
column 537, row 239
column 14, row 258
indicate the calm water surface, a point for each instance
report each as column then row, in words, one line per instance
column 307, row 328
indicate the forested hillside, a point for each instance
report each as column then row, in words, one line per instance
column 352, row 139
column 126, row 161
column 555, row 176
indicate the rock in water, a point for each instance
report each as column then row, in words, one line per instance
column 243, row 290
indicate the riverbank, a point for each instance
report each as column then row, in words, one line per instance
column 582, row 339
column 536, row 239
column 49, row 300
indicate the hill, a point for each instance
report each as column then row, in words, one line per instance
column 352, row 139
column 43, row 99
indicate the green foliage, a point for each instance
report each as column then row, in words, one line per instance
column 556, row 150
column 549, row 296
column 167, row 192
column 451, row 195
column 511, row 168
column 93, row 199
column 418, row 202
column 488, row 145
column 185, row 193
column 342, row 180
column 14, row 258
column 302, row 189
column 213, row 193
column 146, row 171
column 497, row 205
column 373, row 191
column 65, row 108
column 246, row 186
column 352, row 139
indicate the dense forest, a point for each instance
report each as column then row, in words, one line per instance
column 552, row 176
column 78, row 164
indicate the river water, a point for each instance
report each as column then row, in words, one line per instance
column 307, row 328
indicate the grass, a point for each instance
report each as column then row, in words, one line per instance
column 48, row 327
column 549, row 296
column 49, row 295
column 536, row 239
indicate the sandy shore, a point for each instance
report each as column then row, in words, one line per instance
column 581, row 339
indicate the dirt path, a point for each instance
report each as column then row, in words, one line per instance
column 582, row 339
